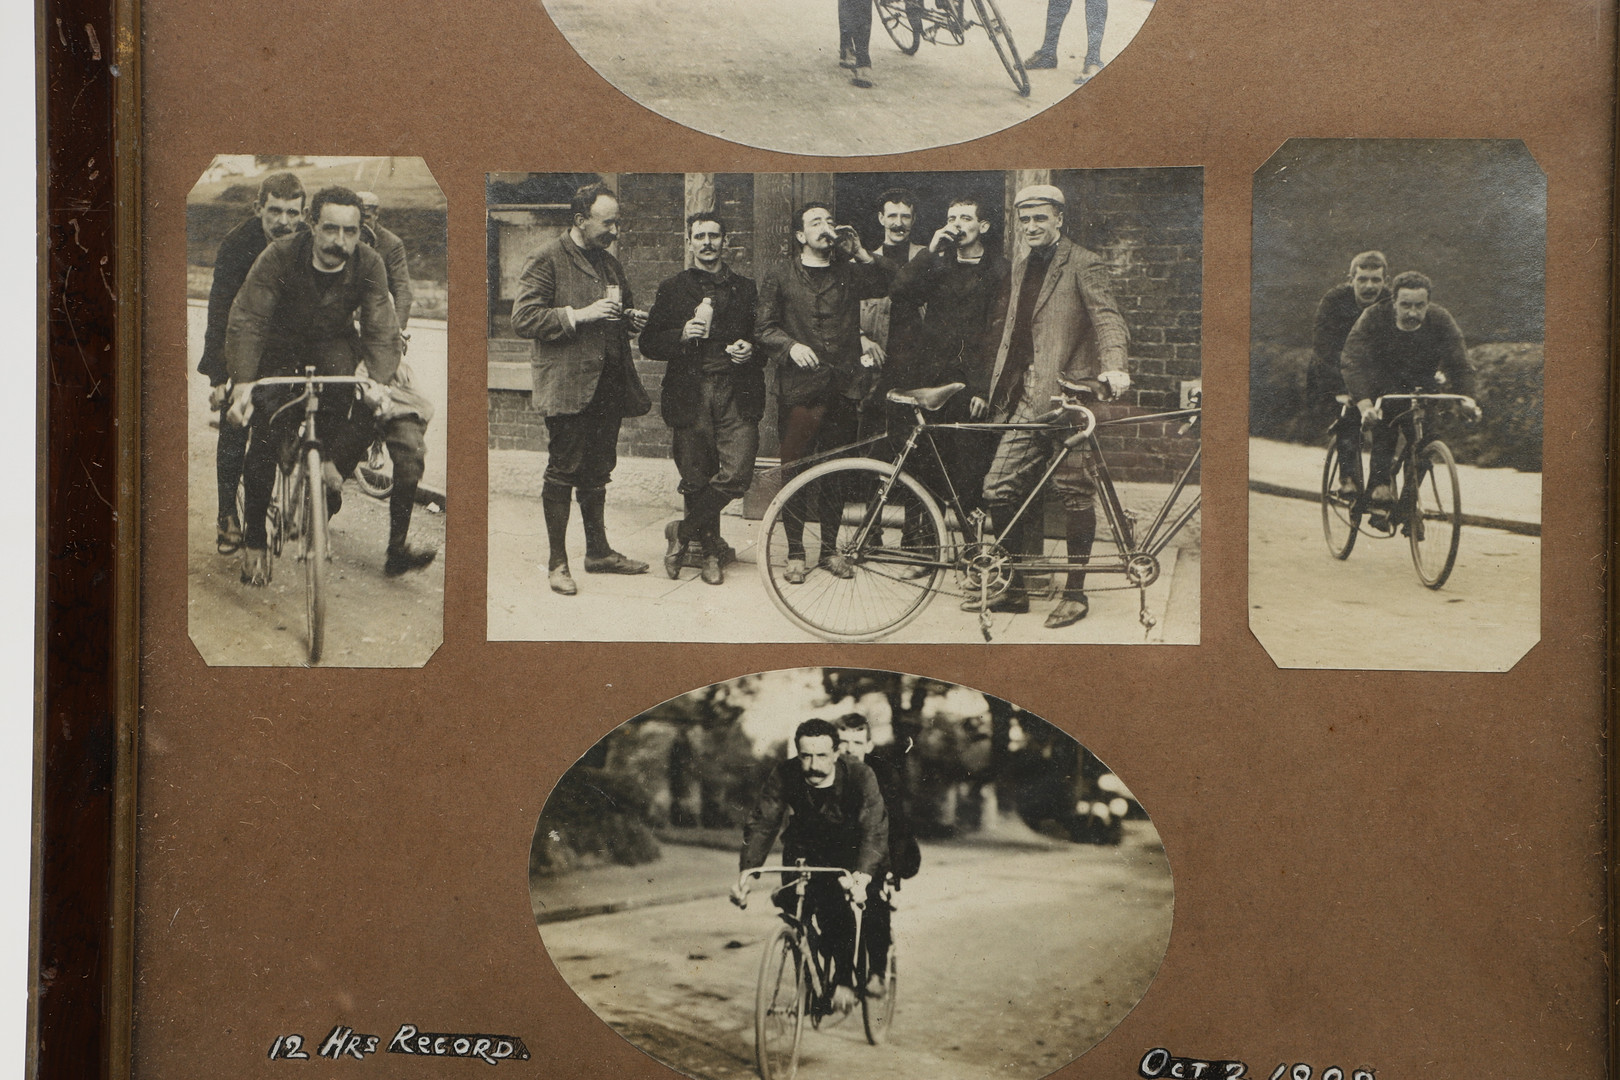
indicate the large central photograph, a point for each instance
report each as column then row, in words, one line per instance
column 921, row 407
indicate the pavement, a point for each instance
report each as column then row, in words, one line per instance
column 1491, row 498
column 771, row 78
column 651, row 607
column 1370, row 611
column 372, row 620
column 692, row 871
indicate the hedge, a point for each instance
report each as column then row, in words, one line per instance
column 1507, row 386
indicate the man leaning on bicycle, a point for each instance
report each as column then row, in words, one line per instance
column 1402, row 345
column 835, row 816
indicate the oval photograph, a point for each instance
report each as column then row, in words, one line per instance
column 847, row 873
column 844, row 77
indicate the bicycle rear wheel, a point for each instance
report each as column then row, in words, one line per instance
column 1001, row 38
column 1341, row 514
column 312, row 550
column 877, row 1015
column 897, row 21
column 1434, row 521
column 850, row 592
column 779, row 1007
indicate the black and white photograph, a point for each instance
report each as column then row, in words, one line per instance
column 317, row 299
column 849, row 78
column 919, row 407
column 836, row 872
column 1395, row 412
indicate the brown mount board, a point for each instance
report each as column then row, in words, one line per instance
column 1402, row 871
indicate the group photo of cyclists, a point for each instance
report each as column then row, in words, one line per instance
column 845, row 77
column 1395, row 411
column 943, row 406
column 850, row 872
column 317, row 299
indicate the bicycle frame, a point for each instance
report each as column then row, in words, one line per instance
column 801, row 926
column 1137, row 558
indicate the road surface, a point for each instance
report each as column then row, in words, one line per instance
column 372, row 620
column 766, row 72
column 1370, row 611
column 1012, row 963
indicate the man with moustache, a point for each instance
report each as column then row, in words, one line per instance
column 1403, row 345
column 835, row 816
column 1336, row 314
column 889, row 330
column 702, row 326
column 278, row 213
column 809, row 324
column 299, row 307
column 1061, row 320
column 392, row 249
column 960, row 288
column 574, row 302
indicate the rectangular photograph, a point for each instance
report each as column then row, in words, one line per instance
column 918, row 407
column 1395, row 412
column 316, row 306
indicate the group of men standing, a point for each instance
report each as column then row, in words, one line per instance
column 842, row 325
column 327, row 288
column 1376, row 336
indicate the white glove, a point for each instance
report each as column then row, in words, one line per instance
column 1117, row 382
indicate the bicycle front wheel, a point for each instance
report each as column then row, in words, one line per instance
column 312, row 536
column 1001, row 38
column 899, row 23
column 779, row 1007
column 1341, row 513
column 845, row 560
column 878, row 1014
column 1434, row 523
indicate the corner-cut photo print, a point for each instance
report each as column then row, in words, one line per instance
column 850, row 873
column 316, row 306
column 844, row 77
column 1395, row 404
column 923, row 407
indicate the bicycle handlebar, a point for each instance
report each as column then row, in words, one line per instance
column 302, row 380
column 759, row 871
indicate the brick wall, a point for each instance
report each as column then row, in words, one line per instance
column 1148, row 224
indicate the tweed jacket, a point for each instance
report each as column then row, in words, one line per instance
column 568, row 358
column 1078, row 330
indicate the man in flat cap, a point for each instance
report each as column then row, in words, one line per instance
column 1061, row 321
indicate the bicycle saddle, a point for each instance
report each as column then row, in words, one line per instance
column 931, row 398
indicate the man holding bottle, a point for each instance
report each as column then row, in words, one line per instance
column 702, row 326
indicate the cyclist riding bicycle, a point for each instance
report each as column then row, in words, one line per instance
column 1403, row 345
column 835, row 816
column 298, row 307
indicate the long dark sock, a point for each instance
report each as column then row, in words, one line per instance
column 1056, row 12
column 554, row 501
column 688, row 528
column 1082, row 532
column 592, row 504
column 229, row 456
column 1096, row 22
column 400, row 504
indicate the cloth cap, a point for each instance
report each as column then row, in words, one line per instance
column 1038, row 193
